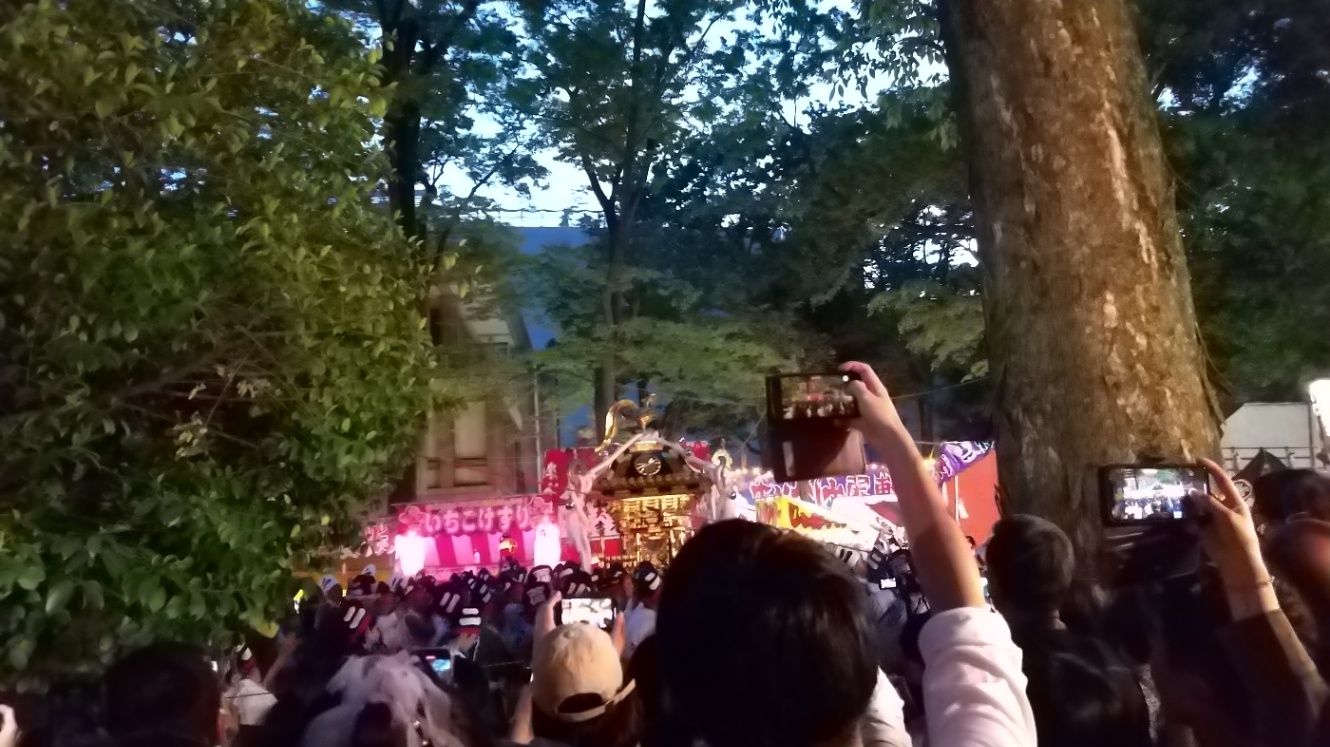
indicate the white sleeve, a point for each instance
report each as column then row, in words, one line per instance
column 974, row 691
column 883, row 725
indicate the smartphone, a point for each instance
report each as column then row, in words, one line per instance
column 814, row 449
column 801, row 397
column 597, row 612
column 886, row 583
column 442, row 665
column 1134, row 494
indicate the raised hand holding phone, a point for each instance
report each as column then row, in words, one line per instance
column 944, row 563
column 1228, row 536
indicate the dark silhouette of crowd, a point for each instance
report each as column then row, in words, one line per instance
column 758, row 637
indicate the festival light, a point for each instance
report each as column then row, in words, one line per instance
column 547, row 548
column 410, row 549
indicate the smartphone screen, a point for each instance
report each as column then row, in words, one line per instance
column 442, row 665
column 803, row 397
column 1150, row 495
column 886, row 583
column 598, row 612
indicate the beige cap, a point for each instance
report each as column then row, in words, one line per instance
column 577, row 659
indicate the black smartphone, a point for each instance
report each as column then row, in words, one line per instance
column 596, row 611
column 1149, row 494
column 813, row 449
column 801, row 397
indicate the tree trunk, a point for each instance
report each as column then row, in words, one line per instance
column 1094, row 349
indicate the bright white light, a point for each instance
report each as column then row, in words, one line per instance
column 546, row 549
column 1319, row 391
column 410, row 550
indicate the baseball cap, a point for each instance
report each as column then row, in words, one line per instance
column 576, row 675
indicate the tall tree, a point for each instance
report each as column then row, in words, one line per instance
column 1093, row 342
column 212, row 357
column 445, row 62
column 612, row 85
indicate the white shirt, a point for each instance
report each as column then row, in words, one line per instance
column 249, row 701
column 883, row 725
column 974, row 691
column 638, row 625
column 388, row 633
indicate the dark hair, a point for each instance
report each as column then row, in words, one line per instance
column 750, row 614
column 909, row 640
column 1082, row 695
column 1083, row 608
column 1189, row 613
column 1283, row 493
column 165, row 691
column 375, row 727
column 620, row 726
column 1031, row 563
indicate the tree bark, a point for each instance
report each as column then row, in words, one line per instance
column 1094, row 350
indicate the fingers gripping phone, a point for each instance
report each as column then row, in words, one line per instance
column 809, row 435
column 1153, row 494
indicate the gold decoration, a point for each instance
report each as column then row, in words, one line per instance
column 652, row 527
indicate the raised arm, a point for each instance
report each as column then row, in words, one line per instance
column 605, row 463
column 690, row 458
column 943, row 560
column 974, row 691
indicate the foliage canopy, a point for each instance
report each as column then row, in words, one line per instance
column 213, row 352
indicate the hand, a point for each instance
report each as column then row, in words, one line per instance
column 1228, row 533
column 9, row 733
column 877, row 413
column 545, row 618
column 519, row 729
column 619, row 634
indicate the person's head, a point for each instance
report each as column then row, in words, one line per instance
column 1299, row 553
column 386, row 601
column 385, row 701
column 376, row 727
column 751, row 614
column 1031, row 563
column 647, row 583
column 1081, row 695
column 332, row 591
column 163, row 693
column 579, row 694
column 419, row 598
column 1083, row 609
column 1288, row 493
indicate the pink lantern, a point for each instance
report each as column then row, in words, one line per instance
column 410, row 549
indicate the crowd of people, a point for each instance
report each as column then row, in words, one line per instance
column 758, row 637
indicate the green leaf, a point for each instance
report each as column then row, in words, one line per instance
column 58, row 597
column 20, row 649
column 158, row 600
column 148, row 588
column 31, row 577
column 92, row 596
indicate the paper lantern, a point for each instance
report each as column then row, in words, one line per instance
column 410, row 549
column 547, row 547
